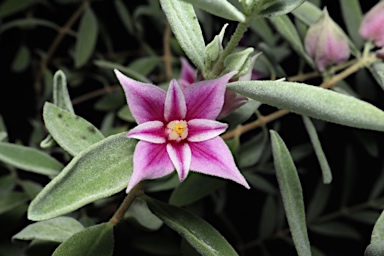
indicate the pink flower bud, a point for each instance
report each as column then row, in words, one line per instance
column 325, row 43
column 372, row 26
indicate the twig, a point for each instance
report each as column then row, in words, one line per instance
column 167, row 57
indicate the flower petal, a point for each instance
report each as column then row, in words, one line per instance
column 145, row 101
column 205, row 99
column 232, row 101
column 152, row 131
column 187, row 72
column 180, row 154
column 150, row 161
column 213, row 157
column 175, row 107
column 204, row 129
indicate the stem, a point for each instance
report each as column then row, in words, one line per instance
column 231, row 45
column 59, row 37
column 167, row 57
column 328, row 84
column 136, row 190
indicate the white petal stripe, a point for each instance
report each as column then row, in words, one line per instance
column 204, row 129
column 152, row 131
column 180, row 154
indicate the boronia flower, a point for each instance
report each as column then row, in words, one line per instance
column 325, row 43
column 372, row 25
column 232, row 100
column 177, row 130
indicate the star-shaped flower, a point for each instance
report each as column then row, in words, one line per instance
column 177, row 130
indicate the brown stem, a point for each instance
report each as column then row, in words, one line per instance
column 94, row 94
column 135, row 191
column 167, row 52
column 59, row 37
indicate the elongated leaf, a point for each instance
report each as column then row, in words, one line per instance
column 258, row 182
column 335, row 229
column 200, row 234
column 221, row 8
column 291, row 193
column 377, row 71
column 313, row 102
column 277, row 7
column 318, row 202
column 71, row 132
column 140, row 212
column 267, row 221
column 29, row 159
column 7, row 183
column 60, row 92
column 378, row 230
column 195, row 187
column 21, row 60
column 86, row 38
column 9, row 7
column 326, row 170
column 130, row 72
column 11, row 201
column 95, row 240
column 184, row 24
column 286, row 28
column 31, row 188
column 124, row 15
column 21, row 23
column 352, row 15
column 263, row 29
column 57, row 230
column 375, row 249
column 97, row 172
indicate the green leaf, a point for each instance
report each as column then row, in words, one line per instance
column 258, row 182
column 31, row 188
column 86, row 38
column 377, row 71
column 251, row 151
column 60, row 92
column 318, row 202
column 352, row 16
column 238, row 61
column 145, row 65
column 200, row 234
column 326, row 170
column 95, row 240
column 29, row 159
column 9, row 7
column 125, row 114
column 99, row 171
column 57, row 230
column 335, row 229
column 21, row 60
column 140, row 212
column 124, row 16
column 378, row 230
column 182, row 19
column 291, row 193
column 262, row 29
column 276, row 7
column 221, row 8
column 11, row 201
column 128, row 71
column 111, row 101
column 267, row 221
column 285, row 27
column 375, row 249
column 313, row 102
column 194, row 188
column 71, row 132
column 7, row 183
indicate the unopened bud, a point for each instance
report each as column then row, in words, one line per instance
column 325, row 43
column 372, row 26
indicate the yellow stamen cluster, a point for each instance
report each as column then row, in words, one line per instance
column 177, row 130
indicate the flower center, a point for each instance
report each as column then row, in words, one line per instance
column 177, row 130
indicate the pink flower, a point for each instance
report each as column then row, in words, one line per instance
column 177, row 130
column 372, row 26
column 325, row 43
column 232, row 100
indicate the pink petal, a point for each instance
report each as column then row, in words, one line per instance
column 150, row 161
column 205, row 99
column 180, row 154
column 213, row 157
column 187, row 72
column 152, row 131
column 204, row 129
column 145, row 101
column 232, row 101
column 175, row 107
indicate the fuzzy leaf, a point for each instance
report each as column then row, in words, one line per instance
column 313, row 102
column 353, row 16
column 57, row 230
column 194, row 188
column 100, row 171
column 221, row 8
column 21, row 60
column 11, row 201
column 128, row 71
column 95, row 240
column 200, row 234
column 29, row 159
column 326, row 170
column 182, row 19
column 86, row 38
column 71, row 132
column 291, row 193
column 60, row 92
column 124, row 16
column 277, row 7
column 140, row 212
